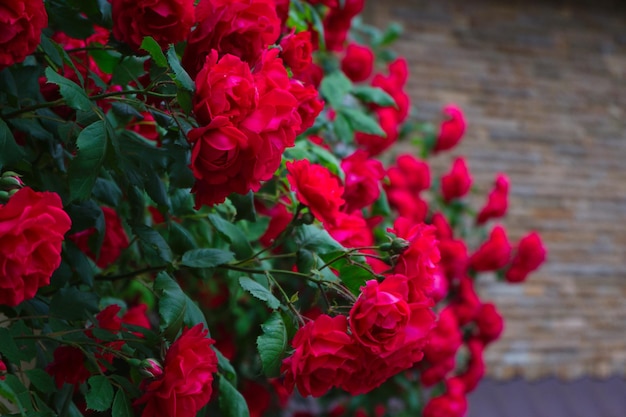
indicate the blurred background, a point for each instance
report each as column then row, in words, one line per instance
column 543, row 87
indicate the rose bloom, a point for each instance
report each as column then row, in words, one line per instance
column 446, row 405
column 115, row 239
column 167, row 21
column 475, row 370
column 393, row 84
column 437, row 372
column 494, row 253
column 444, row 230
column 297, row 51
column 453, row 258
column 375, row 144
column 185, row 385
column 529, row 256
column 451, row 130
column 317, row 188
column 466, row 305
column 21, row 23
column 244, row 28
column 489, row 322
column 363, row 176
column 445, row 339
column 497, row 201
column 32, row 229
column 409, row 174
column 457, row 182
column 68, row 366
column 351, row 230
column 145, row 127
column 358, row 63
column 408, row 204
column 309, row 103
column 324, row 357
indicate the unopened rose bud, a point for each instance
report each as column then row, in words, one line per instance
column 3, row 370
column 307, row 218
column 10, row 181
column 399, row 245
column 151, row 368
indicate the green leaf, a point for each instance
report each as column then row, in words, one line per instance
column 225, row 366
column 8, row 391
column 10, row 152
column 41, row 380
column 316, row 240
column 100, row 394
column 342, row 129
column 238, row 240
column 73, row 94
column 375, row 95
column 107, row 191
column 362, row 122
column 185, row 100
column 154, row 49
column 180, row 75
column 72, row 304
column 352, row 276
column 154, row 240
column 272, row 344
column 128, row 69
column 84, row 169
column 206, row 258
column 244, row 205
column 334, row 88
column 8, row 347
column 175, row 307
column 231, row 402
column 121, row 405
column 259, row 291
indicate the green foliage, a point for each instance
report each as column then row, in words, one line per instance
column 100, row 394
column 272, row 344
column 206, row 258
column 84, row 169
column 260, row 292
column 231, row 401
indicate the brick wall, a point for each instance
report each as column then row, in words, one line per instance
column 543, row 85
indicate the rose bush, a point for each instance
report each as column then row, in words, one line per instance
column 194, row 218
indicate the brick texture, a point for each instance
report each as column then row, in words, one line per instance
column 543, row 86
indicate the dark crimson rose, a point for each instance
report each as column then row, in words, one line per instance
column 68, row 366
column 419, row 261
column 325, row 356
column 137, row 316
column 257, row 397
column 466, row 304
column 383, row 321
column 529, row 256
column 494, row 253
column 475, row 370
column 32, row 229
column 375, row 144
column 489, row 322
column 497, row 202
column 351, row 230
column 363, row 176
column 167, row 21
column 358, row 62
column 297, row 51
column 309, row 103
column 115, row 239
column 244, row 28
column 145, row 127
column 21, row 23
column 451, row 130
column 457, row 182
column 185, row 385
column 316, row 188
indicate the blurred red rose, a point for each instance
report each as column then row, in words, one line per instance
column 351, row 230
column 475, row 370
column 453, row 258
column 167, row 21
column 358, row 62
column 68, row 366
column 32, row 229
column 466, row 304
column 297, row 51
column 497, row 201
column 375, row 144
column 185, row 385
column 529, row 256
column 22, row 22
column 409, row 173
column 363, row 176
column 489, row 322
column 446, row 405
column 457, row 182
column 451, row 130
column 309, row 103
column 445, row 339
column 492, row 254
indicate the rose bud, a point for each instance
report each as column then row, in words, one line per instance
column 150, row 368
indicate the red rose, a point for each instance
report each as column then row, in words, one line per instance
column 115, row 239
column 363, row 176
column 309, row 103
column 167, row 21
column 358, row 63
column 185, row 385
column 444, row 230
column 383, row 320
column 21, row 22
column 407, row 204
column 375, row 144
column 457, row 182
column 466, row 305
column 316, row 188
column 338, row 22
column 146, row 127
column 351, row 230
column 489, row 322
column 529, row 256
column 451, row 130
column 136, row 316
column 257, row 397
column 68, row 366
column 445, row 339
column 32, row 229
column 244, row 28
column 494, row 253
column 280, row 218
column 446, row 405
column 3, row 370
column 497, row 201
column 437, row 372
column 393, row 84
column 475, row 370
column 410, row 174
column 453, row 258
column 325, row 356
column 297, row 51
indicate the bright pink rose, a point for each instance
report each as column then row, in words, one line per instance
column 309, row 103
column 451, row 130
column 457, row 182
column 244, row 28
column 497, row 201
column 297, row 51
column 185, row 385
column 351, row 230
column 167, row 21
column 529, row 256
column 489, row 322
column 325, row 356
column 115, row 239
column 444, row 230
column 32, row 229
column 358, row 63
column 494, row 253
column 363, row 176
column 316, row 188
column 22, row 22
